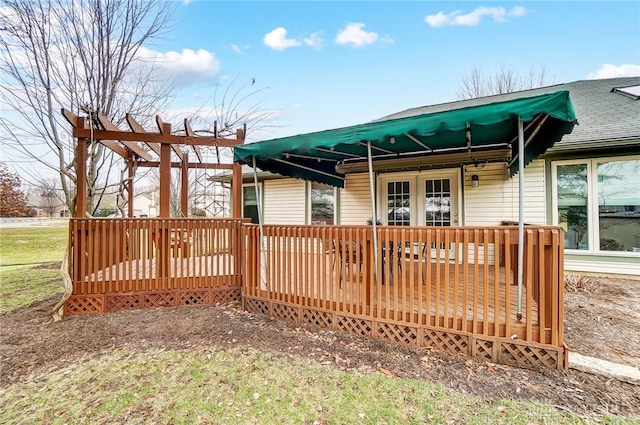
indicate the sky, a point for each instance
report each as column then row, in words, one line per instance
column 320, row 65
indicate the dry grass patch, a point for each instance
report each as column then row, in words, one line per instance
column 245, row 386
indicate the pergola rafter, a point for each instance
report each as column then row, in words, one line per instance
column 140, row 148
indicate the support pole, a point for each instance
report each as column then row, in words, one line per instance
column 374, row 216
column 520, row 216
column 263, row 251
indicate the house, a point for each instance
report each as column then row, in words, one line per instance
column 48, row 206
column 588, row 182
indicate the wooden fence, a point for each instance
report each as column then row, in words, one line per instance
column 118, row 264
column 452, row 288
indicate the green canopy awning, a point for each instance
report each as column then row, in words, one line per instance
column 314, row 156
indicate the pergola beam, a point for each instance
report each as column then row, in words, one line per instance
column 137, row 128
column 137, row 150
column 170, row 139
column 127, row 145
column 189, row 132
column 73, row 119
column 194, row 165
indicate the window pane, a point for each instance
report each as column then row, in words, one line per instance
column 398, row 204
column 619, row 205
column 437, row 204
column 572, row 205
column 322, row 203
column 250, row 204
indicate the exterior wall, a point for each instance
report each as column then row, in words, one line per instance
column 496, row 197
column 284, row 201
column 591, row 264
column 355, row 200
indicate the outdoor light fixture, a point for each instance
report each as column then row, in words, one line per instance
column 475, row 180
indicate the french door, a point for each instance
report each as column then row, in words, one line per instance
column 427, row 198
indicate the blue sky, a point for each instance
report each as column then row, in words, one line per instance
column 331, row 64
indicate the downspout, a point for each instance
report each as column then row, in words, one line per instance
column 374, row 217
column 520, row 216
column 263, row 251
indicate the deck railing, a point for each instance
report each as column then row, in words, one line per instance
column 114, row 262
column 453, row 279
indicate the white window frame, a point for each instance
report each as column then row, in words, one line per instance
column 592, row 205
column 336, row 204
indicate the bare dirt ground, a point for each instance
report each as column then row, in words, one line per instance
column 602, row 320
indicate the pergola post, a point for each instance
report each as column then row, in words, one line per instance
column 165, row 180
column 129, row 186
column 81, row 173
column 184, row 196
column 236, row 184
column 165, row 175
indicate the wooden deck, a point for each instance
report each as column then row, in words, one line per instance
column 448, row 288
column 461, row 296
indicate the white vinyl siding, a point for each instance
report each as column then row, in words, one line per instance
column 355, row 200
column 284, row 201
column 496, row 197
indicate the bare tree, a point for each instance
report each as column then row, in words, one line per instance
column 83, row 56
column 50, row 196
column 476, row 83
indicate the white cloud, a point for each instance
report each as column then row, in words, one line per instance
column 314, row 40
column 187, row 2
column 186, row 67
column 457, row 18
column 614, row 71
column 355, row 35
column 277, row 40
column 239, row 49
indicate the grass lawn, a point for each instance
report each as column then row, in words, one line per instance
column 246, row 386
column 22, row 251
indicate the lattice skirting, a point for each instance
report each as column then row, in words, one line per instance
column 103, row 303
column 497, row 350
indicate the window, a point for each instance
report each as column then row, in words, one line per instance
column 250, row 203
column 572, row 205
column 597, row 204
column 619, row 205
column 437, row 202
column 398, row 203
column 323, row 201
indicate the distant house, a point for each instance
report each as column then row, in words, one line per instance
column 48, row 206
column 588, row 183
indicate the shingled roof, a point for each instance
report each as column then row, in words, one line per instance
column 608, row 119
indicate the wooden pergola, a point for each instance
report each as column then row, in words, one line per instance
column 162, row 149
